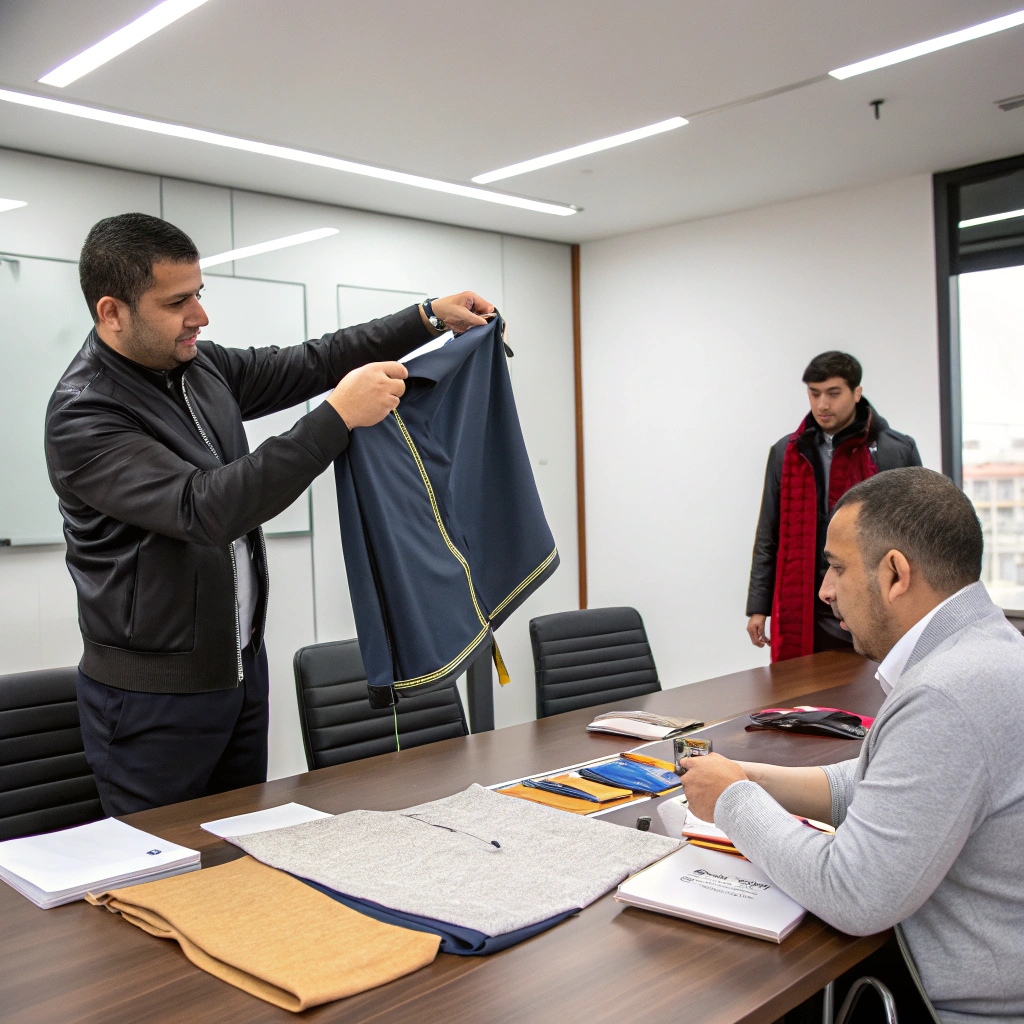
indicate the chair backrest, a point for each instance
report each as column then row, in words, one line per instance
column 45, row 780
column 338, row 724
column 590, row 657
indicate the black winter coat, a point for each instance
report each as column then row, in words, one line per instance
column 890, row 450
column 155, row 481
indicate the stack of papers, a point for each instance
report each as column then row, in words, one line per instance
column 714, row 889
column 641, row 725
column 62, row 867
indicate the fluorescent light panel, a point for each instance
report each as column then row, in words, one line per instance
column 986, row 28
column 10, row 204
column 261, row 247
column 117, row 42
column 992, row 218
column 301, row 156
column 577, row 151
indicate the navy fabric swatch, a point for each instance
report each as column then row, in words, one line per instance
column 460, row 941
column 443, row 529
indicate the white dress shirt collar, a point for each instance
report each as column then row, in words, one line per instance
column 889, row 672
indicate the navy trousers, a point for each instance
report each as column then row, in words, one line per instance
column 151, row 749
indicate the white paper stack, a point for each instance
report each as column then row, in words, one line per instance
column 716, row 889
column 61, row 867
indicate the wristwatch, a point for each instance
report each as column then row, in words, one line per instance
column 435, row 321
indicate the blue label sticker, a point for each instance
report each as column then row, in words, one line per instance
column 152, row 853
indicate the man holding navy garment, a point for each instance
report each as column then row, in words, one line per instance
column 162, row 504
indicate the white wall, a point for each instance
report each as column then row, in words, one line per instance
column 528, row 280
column 694, row 341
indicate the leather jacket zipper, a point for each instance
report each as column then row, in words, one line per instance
column 231, row 547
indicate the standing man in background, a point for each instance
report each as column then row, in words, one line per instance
column 839, row 443
column 162, row 504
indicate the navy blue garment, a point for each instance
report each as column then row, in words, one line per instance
column 152, row 749
column 443, row 530
column 460, row 941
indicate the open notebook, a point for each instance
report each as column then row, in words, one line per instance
column 714, row 889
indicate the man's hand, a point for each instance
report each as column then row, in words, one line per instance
column 366, row 395
column 460, row 312
column 757, row 628
column 706, row 779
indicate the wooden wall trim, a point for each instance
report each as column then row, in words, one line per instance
column 581, row 493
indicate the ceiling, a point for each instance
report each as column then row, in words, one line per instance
column 453, row 89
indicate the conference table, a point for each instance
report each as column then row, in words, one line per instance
column 79, row 963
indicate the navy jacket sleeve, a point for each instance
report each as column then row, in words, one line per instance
column 766, row 540
column 265, row 380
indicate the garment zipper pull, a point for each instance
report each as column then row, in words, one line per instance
column 499, row 662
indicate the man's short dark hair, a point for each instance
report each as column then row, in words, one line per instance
column 833, row 364
column 926, row 517
column 119, row 252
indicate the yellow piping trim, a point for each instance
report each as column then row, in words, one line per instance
column 437, row 514
column 447, row 668
column 503, row 677
column 529, row 579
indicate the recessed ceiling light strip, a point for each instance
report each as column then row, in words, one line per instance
column 575, row 152
column 262, row 247
column 117, row 42
column 986, row 28
column 301, row 156
column 10, row 204
column 992, row 218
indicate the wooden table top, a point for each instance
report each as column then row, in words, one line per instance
column 78, row 963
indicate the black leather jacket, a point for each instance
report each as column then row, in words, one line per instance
column 155, row 481
column 889, row 449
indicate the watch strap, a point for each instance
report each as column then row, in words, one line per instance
column 435, row 321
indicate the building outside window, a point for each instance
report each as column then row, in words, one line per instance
column 992, row 396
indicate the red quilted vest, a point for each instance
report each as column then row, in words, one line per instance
column 792, row 629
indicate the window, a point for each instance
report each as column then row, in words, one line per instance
column 979, row 223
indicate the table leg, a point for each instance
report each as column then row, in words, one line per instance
column 828, row 1003
column 480, row 690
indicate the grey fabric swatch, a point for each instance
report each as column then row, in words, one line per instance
column 549, row 862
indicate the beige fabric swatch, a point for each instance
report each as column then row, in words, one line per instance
column 271, row 935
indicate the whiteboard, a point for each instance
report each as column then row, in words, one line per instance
column 43, row 322
column 358, row 305
column 245, row 311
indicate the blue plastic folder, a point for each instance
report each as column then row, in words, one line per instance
column 641, row 778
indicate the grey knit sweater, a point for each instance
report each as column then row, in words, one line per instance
column 930, row 818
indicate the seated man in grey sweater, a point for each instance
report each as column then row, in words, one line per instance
column 930, row 817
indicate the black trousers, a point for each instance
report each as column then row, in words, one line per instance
column 151, row 749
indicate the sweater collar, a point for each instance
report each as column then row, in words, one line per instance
column 964, row 607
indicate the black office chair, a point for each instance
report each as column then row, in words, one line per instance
column 590, row 657
column 338, row 724
column 45, row 781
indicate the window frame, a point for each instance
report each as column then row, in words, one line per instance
column 946, row 204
